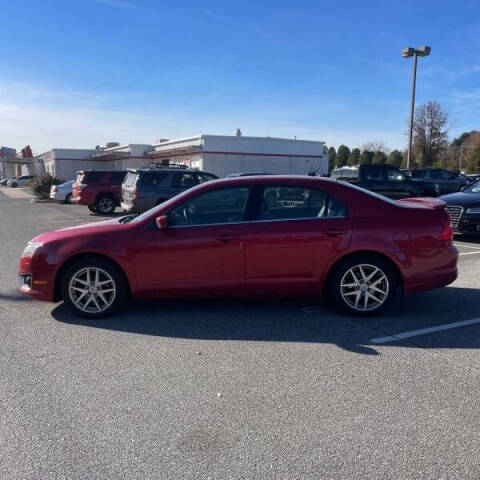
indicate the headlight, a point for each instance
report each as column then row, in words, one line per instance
column 473, row 210
column 30, row 249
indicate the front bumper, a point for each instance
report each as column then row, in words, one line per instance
column 468, row 224
column 35, row 279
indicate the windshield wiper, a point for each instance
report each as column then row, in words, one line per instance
column 127, row 219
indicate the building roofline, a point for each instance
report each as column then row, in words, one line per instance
column 242, row 137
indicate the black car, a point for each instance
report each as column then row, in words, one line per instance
column 448, row 182
column 464, row 209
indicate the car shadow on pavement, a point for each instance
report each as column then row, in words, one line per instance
column 468, row 239
column 294, row 321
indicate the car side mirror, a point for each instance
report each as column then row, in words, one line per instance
column 161, row 222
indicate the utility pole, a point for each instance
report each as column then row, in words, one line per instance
column 415, row 53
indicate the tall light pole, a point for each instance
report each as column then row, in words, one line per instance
column 415, row 53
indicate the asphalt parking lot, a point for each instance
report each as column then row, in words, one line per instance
column 235, row 389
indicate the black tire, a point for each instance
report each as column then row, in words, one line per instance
column 105, row 204
column 14, row 185
column 344, row 297
column 92, row 208
column 120, row 294
column 68, row 198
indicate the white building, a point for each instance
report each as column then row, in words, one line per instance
column 222, row 155
column 65, row 162
column 217, row 154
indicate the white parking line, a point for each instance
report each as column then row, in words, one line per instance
column 423, row 331
column 461, row 245
column 469, row 253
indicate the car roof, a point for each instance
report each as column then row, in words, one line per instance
column 160, row 169
column 263, row 179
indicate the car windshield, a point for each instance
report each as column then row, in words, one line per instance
column 475, row 188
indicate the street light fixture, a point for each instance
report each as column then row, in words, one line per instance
column 407, row 52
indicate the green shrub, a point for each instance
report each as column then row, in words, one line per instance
column 41, row 185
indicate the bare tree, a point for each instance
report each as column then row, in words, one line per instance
column 375, row 146
column 430, row 129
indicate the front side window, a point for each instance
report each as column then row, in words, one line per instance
column 435, row 175
column 205, row 177
column 446, row 175
column 395, row 175
column 291, row 203
column 221, row 206
column 185, row 180
column 374, row 174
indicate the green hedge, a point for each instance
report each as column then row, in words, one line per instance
column 41, row 185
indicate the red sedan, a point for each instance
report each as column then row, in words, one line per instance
column 264, row 235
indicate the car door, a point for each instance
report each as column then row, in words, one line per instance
column 296, row 233
column 375, row 179
column 201, row 249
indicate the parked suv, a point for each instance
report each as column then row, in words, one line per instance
column 144, row 188
column 448, row 182
column 100, row 190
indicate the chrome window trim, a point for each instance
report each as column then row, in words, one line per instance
column 256, row 221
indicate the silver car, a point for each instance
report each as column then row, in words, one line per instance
column 62, row 193
column 21, row 181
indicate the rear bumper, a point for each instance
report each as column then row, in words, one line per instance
column 59, row 197
column 430, row 281
column 436, row 270
column 139, row 205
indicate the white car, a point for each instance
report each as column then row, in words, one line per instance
column 62, row 193
column 21, row 181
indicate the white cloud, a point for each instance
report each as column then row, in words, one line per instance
column 45, row 118
column 123, row 4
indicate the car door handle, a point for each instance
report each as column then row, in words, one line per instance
column 333, row 232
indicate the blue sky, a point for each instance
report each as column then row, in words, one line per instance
column 82, row 72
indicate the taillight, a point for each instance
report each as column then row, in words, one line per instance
column 447, row 234
column 55, row 189
column 135, row 193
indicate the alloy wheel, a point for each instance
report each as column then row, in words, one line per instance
column 105, row 205
column 364, row 287
column 92, row 290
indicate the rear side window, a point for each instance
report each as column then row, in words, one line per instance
column 185, row 180
column 93, row 177
column 291, row 203
column 152, row 179
column 117, row 177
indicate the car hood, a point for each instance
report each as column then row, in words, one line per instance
column 95, row 228
column 462, row 199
